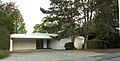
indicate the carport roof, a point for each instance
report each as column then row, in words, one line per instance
column 34, row 35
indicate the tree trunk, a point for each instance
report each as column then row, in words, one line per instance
column 73, row 38
column 85, row 42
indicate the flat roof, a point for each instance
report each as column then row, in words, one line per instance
column 34, row 35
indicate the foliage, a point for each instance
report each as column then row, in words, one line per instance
column 113, row 41
column 38, row 29
column 106, row 21
column 4, row 38
column 69, row 46
column 82, row 17
column 17, row 20
column 6, row 20
column 98, row 44
column 86, row 9
column 9, row 17
column 4, row 53
column 6, row 27
column 19, row 25
column 66, row 14
column 47, row 27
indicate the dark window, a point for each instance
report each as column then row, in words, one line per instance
column 39, row 44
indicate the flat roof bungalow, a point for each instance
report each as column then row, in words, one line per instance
column 36, row 41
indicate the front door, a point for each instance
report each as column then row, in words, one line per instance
column 39, row 44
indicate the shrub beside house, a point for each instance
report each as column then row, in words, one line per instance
column 4, row 53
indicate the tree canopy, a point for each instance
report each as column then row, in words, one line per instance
column 47, row 27
column 83, row 17
column 16, row 17
column 106, row 22
column 11, row 21
column 66, row 14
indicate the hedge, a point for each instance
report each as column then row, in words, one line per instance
column 95, row 44
column 4, row 38
column 4, row 53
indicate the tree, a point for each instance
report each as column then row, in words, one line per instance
column 9, row 14
column 12, row 10
column 100, row 20
column 65, row 13
column 45, row 27
column 6, row 21
column 72, row 15
column 6, row 27
column 107, row 20
column 38, row 29
column 88, row 10
column 19, row 25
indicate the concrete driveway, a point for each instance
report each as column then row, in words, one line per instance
column 55, row 55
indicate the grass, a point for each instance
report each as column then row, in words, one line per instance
column 4, row 53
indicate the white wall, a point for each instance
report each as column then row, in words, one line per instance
column 22, row 44
column 44, row 43
column 55, row 44
column 79, row 41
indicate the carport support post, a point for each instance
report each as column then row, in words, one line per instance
column 11, row 44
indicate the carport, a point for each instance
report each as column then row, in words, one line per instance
column 30, row 41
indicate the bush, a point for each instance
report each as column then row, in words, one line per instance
column 69, row 46
column 95, row 44
column 4, row 38
column 113, row 41
column 4, row 53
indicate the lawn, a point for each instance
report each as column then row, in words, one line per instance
column 4, row 53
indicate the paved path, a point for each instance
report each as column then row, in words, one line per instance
column 60, row 55
column 106, row 57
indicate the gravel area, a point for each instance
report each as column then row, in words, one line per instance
column 55, row 55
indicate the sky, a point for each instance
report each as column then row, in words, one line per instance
column 30, row 10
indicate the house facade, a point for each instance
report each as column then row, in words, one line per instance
column 38, row 41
